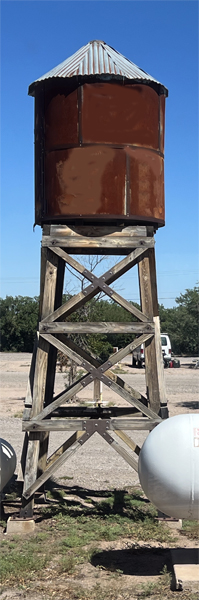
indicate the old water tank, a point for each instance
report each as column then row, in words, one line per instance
column 7, row 463
column 169, row 466
column 99, row 141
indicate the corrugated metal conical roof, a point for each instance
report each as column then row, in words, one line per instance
column 99, row 59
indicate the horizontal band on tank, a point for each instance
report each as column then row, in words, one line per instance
column 115, row 146
column 81, row 79
column 92, row 219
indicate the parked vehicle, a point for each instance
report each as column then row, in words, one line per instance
column 166, row 348
column 138, row 358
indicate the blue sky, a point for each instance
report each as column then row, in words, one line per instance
column 161, row 37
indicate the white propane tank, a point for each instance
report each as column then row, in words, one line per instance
column 169, row 466
column 8, row 462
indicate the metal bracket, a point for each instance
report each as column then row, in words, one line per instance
column 92, row 426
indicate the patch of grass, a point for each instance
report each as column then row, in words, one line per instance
column 118, row 515
column 99, row 593
column 190, row 529
column 21, row 559
column 2, row 523
column 19, row 414
column 56, row 494
column 11, row 496
column 160, row 587
column 67, row 564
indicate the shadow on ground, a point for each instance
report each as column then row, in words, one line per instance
column 191, row 405
column 134, row 561
column 71, row 500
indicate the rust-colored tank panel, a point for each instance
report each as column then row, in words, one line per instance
column 146, row 182
column 116, row 114
column 85, row 181
column 162, row 122
column 61, row 120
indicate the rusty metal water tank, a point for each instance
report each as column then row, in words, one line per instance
column 99, row 141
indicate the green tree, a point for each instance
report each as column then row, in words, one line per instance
column 181, row 322
column 187, row 318
column 18, row 322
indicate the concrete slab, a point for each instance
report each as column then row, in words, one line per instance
column 16, row 525
column 186, row 568
column 170, row 521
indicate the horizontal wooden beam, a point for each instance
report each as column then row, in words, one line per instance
column 95, row 327
column 141, row 424
column 108, row 242
column 133, row 424
column 53, row 425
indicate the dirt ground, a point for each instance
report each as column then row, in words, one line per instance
column 96, row 466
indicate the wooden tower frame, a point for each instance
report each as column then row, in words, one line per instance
column 59, row 242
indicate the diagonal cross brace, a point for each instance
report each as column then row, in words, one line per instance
column 99, row 283
column 95, row 373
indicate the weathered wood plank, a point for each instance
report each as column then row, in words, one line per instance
column 53, row 425
column 52, row 273
column 125, row 438
column 80, row 242
column 149, row 304
column 29, row 392
column 117, row 424
column 96, row 327
column 159, row 359
column 134, row 424
column 96, row 390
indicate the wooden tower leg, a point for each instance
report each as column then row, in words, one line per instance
column 153, row 351
column 51, row 287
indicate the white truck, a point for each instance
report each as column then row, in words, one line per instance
column 138, row 354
